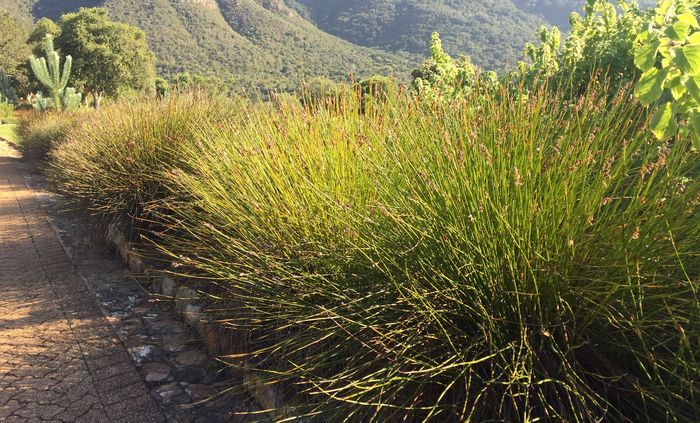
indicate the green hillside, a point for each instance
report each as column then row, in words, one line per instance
column 276, row 43
column 246, row 42
column 557, row 12
column 492, row 32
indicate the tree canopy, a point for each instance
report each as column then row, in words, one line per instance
column 42, row 28
column 110, row 58
column 14, row 49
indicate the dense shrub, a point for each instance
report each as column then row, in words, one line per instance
column 376, row 90
column 39, row 133
column 324, row 93
column 442, row 77
column 113, row 162
column 600, row 45
column 493, row 260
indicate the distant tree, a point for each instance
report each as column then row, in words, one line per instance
column 111, row 58
column 187, row 81
column 443, row 77
column 322, row 92
column 376, row 88
column 42, row 28
column 162, row 87
column 14, row 50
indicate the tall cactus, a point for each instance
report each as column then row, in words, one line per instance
column 7, row 93
column 70, row 100
column 48, row 71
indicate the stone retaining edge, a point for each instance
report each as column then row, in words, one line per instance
column 186, row 305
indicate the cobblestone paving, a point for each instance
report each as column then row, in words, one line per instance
column 60, row 360
column 189, row 387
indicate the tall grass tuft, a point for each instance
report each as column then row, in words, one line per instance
column 507, row 258
column 502, row 258
column 40, row 133
column 112, row 163
column 7, row 110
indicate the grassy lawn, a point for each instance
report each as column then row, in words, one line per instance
column 7, row 132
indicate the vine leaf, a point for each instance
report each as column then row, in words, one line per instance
column 679, row 31
column 663, row 124
column 676, row 84
column 693, row 89
column 650, row 85
column 663, row 11
column 688, row 58
column 645, row 55
column 688, row 18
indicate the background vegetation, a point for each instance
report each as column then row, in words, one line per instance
column 492, row 33
column 14, row 50
column 247, row 44
column 277, row 43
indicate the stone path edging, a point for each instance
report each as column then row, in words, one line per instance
column 187, row 305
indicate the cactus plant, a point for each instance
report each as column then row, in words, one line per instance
column 39, row 102
column 7, row 93
column 48, row 72
column 69, row 100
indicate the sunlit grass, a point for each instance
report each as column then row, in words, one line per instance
column 113, row 162
column 9, row 132
column 39, row 133
column 504, row 258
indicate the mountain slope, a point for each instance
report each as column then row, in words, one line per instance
column 492, row 32
column 276, row 43
column 557, row 12
column 248, row 43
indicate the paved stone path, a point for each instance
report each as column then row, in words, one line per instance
column 60, row 361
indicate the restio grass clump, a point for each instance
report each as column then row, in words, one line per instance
column 112, row 163
column 506, row 257
column 39, row 133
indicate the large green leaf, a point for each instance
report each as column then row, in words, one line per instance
column 645, row 54
column 663, row 8
column 663, row 124
column 650, row 85
column 693, row 87
column 694, row 120
column 688, row 18
column 675, row 83
column 663, row 11
column 688, row 58
column 678, row 31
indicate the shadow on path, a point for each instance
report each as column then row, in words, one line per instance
column 59, row 358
